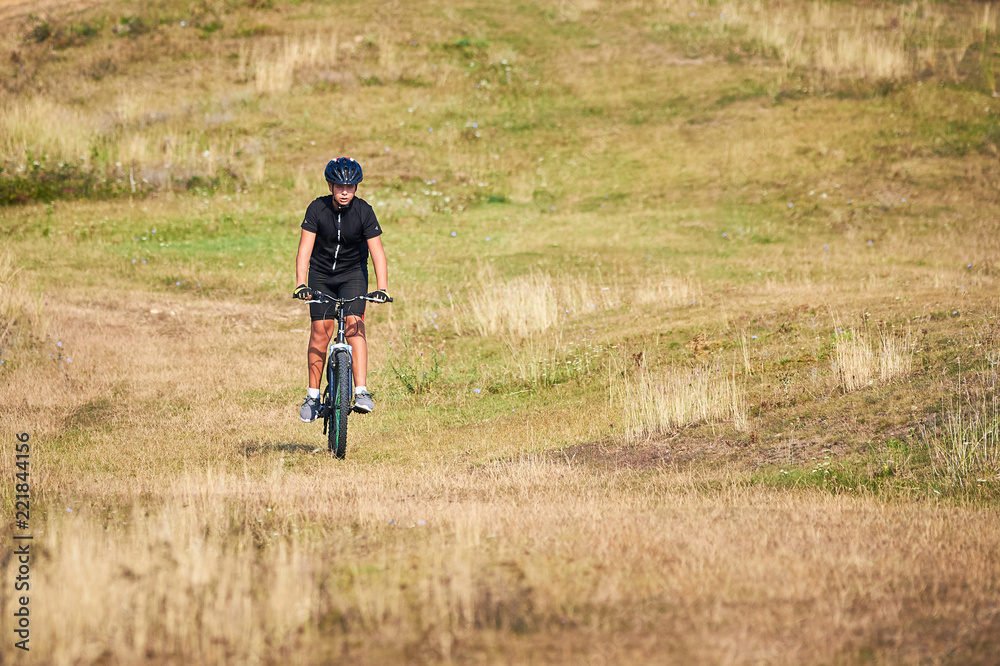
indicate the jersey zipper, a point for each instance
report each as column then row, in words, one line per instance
column 336, row 252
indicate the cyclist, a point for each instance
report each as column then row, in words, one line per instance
column 339, row 232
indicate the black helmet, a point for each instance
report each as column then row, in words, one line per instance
column 343, row 171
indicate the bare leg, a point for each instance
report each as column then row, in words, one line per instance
column 359, row 348
column 319, row 339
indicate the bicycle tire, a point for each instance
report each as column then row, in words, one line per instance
column 340, row 403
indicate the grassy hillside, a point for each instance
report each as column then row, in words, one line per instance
column 693, row 354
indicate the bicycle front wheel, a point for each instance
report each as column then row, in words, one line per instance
column 340, row 399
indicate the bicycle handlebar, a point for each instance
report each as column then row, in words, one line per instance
column 320, row 298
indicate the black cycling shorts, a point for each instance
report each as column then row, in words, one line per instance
column 344, row 285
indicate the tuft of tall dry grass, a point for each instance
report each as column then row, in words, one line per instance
column 852, row 41
column 41, row 126
column 665, row 290
column 655, row 403
column 860, row 361
column 521, row 306
column 965, row 450
column 546, row 360
column 22, row 318
column 128, row 139
column 272, row 63
column 532, row 303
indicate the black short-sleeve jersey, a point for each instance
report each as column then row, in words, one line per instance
column 341, row 234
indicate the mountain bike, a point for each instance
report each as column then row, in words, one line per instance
column 337, row 400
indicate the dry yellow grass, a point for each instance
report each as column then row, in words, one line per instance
column 966, row 452
column 552, row 359
column 654, row 403
column 272, row 64
column 859, row 40
column 860, row 361
column 42, row 126
column 465, row 564
column 520, row 307
column 535, row 303
column 23, row 320
column 133, row 136
column 965, row 448
column 665, row 291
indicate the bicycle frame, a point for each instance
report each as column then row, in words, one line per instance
column 338, row 342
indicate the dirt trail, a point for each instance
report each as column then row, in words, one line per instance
column 11, row 10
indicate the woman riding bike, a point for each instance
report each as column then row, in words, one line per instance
column 339, row 232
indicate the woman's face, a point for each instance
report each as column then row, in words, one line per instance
column 343, row 194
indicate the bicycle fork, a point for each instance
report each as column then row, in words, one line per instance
column 341, row 346
column 331, row 379
column 331, row 382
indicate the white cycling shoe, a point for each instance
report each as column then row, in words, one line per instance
column 310, row 410
column 364, row 402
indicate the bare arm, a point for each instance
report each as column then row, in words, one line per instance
column 380, row 263
column 306, row 242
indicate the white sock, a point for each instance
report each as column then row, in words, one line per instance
column 360, row 389
column 313, row 393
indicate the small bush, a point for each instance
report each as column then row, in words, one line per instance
column 40, row 182
column 61, row 36
column 133, row 26
column 416, row 370
column 42, row 31
column 209, row 28
column 66, row 181
column 466, row 48
column 260, row 30
column 413, row 82
column 102, row 68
